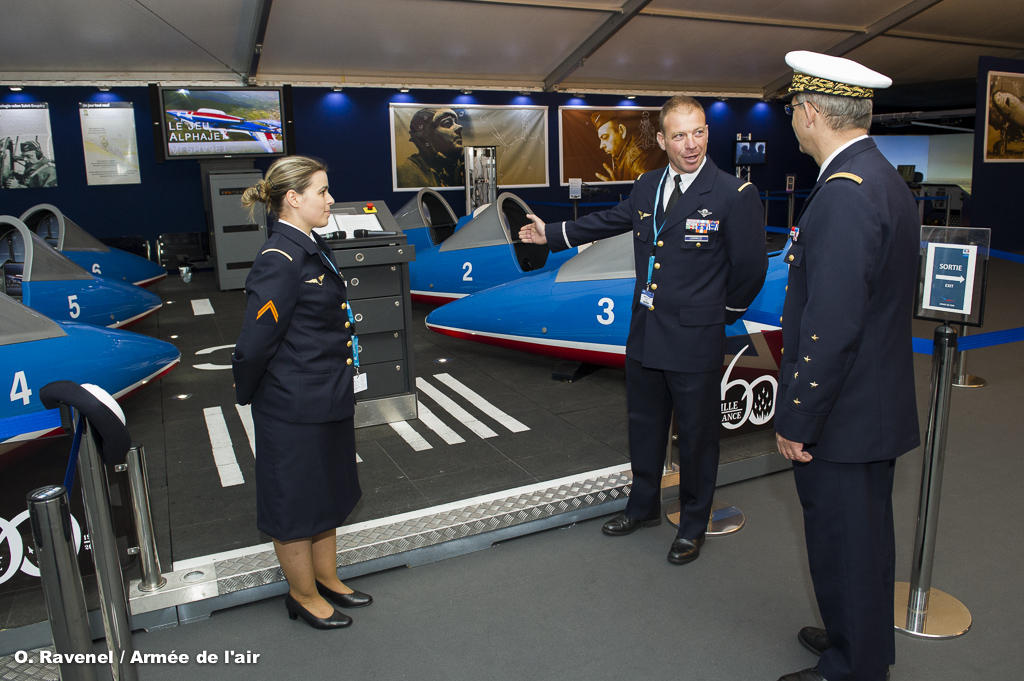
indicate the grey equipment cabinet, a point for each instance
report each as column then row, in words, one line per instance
column 235, row 238
column 376, row 268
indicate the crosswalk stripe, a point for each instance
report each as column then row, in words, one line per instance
column 223, row 453
column 414, row 439
column 480, row 403
column 454, row 409
column 201, row 306
column 245, row 413
column 431, row 421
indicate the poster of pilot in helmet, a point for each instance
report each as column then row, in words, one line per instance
column 26, row 147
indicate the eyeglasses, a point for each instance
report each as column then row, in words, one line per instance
column 790, row 108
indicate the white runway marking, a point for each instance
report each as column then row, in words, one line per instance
column 431, row 421
column 223, row 453
column 414, row 439
column 201, row 306
column 480, row 403
column 245, row 413
column 454, row 409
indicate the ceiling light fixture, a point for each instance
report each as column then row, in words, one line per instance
column 15, row 88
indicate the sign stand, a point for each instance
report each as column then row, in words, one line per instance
column 951, row 289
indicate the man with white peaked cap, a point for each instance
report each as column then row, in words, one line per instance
column 846, row 405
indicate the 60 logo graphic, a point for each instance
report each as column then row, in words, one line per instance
column 756, row 403
column 16, row 555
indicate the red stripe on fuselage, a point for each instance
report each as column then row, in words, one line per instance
column 609, row 359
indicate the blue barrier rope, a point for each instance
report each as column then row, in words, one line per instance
column 588, row 204
column 923, row 346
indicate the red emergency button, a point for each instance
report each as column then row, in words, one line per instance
column 369, row 207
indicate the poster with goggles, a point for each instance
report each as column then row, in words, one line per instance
column 427, row 144
column 26, row 147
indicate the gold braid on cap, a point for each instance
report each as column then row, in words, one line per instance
column 804, row 83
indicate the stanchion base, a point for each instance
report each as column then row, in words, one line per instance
column 947, row 617
column 724, row 520
column 969, row 381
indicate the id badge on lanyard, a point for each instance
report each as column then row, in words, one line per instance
column 647, row 294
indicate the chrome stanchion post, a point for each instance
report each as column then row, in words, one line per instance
column 61, row 579
column 723, row 520
column 138, row 480
column 109, row 579
column 930, row 613
column 962, row 379
column 790, row 209
column 672, row 508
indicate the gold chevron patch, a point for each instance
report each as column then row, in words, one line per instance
column 643, row 214
column 319, row 281
column 268, row 306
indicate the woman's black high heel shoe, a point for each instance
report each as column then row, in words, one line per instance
column 337, row 620
column 356, row 599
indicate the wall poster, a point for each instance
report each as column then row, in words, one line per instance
column 26, row 146
column 605, row 145
column 427, row 144
column 108, row 139
column 1004, row 118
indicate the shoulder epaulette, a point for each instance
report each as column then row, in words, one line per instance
column 744, row 186
column 276, row 250
column 846, row 176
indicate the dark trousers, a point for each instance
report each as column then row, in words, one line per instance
column 650, row 396
column 851, row 549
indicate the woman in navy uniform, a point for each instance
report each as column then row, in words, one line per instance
column 846, row 402
column 294, row 362
column 700, row 259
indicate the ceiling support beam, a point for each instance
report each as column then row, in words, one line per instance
column 908, row 11
column 605, row 31
column 258, row 36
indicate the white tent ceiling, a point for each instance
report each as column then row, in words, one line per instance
column 712, row 47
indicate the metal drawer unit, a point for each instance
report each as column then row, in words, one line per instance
column 236, row 238
column 377, row 271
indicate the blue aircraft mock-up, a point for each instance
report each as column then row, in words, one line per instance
column 582, row 310
column 35, row 350
column 48, row 282
column 457, row 258
column 86, row 251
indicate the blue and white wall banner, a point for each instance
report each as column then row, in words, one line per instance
column 26, row 146
column 109, row 143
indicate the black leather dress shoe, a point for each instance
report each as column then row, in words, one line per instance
column 684, row 551
column 337, row 620
column 815, row 639
column 623, row 524
column 804, row 675
column 356, row 599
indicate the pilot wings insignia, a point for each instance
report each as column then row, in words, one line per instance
column 643, row 214
column 319, row 281
column 704, row 212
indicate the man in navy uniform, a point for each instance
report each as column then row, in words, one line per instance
column 700, row 259
column 846, row 405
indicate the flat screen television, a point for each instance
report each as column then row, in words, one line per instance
column 749, row 152
column 224, row 122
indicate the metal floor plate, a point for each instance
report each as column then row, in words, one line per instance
column 198, row 588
